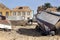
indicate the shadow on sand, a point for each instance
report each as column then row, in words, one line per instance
column 28, row 32
column 31, row 32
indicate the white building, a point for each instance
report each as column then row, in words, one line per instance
column 22, row 13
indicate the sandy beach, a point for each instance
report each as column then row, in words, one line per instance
column 25, row 33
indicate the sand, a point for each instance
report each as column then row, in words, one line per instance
column 25, row 33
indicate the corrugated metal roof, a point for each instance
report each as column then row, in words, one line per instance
column 48, row 17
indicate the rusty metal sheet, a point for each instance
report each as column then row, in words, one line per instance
column 53, row 19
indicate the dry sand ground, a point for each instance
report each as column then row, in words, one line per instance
column 25, row 33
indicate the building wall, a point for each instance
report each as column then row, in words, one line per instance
column 5, row 12
column 42, row 8
column 19, row 12
column 51, row 9
column 25, row 13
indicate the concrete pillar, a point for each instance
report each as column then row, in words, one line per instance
column 16, row 13
column 26, row 15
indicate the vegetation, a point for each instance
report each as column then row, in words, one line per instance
column 58, row 9
column 47, row 5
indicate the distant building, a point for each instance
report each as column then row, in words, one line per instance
column 4, row 10
column 42, row 8
column 24, row 12
column 18, row 13
column 53, row 9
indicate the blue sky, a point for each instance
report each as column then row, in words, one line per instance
column 33, row 4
